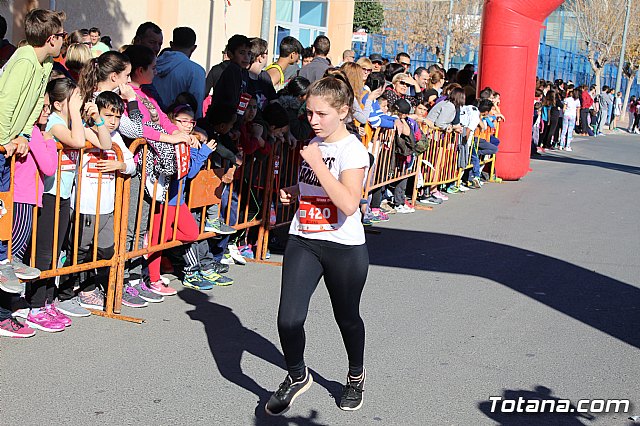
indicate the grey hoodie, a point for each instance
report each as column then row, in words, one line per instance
column 176, row 74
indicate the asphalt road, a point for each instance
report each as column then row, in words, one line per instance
column 522, row 289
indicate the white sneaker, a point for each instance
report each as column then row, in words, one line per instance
column 235, row 254
column 165, row 280
column 568, row 149
column 21, row 313
column 403, row 209
column 463, row 188
column 227, row 261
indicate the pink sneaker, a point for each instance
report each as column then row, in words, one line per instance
column 12, row 328
column 380, row 215
column 44, row 321
column 57, row 315
column 160, row 288
column 440, row 195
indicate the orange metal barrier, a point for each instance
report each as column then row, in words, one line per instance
column 283, row 173
column 388, row 167
column 438, row 165
column 249, row 187
column 75, row 267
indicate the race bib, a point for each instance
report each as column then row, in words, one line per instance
column 317, row 214
column 182, row 158
column 95, row 155
column 69, row 160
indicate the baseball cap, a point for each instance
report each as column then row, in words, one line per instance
column 375, row 57
column 403, row 106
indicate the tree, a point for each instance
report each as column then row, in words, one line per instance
column 368, row 14
column 424, row 22
column 600, row 23
column 632, row 54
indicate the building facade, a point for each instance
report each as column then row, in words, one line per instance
column 214, row 21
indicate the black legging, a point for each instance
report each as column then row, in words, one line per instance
column 42, row 291
column 345, row 271
column 550, row 127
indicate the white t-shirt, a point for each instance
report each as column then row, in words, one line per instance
column 345, row 154
column 89, row 184
column 571, row 105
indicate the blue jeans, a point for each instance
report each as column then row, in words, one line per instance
column 568, row 124
column 233, row 217
column 483, row 148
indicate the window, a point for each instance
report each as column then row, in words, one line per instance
column 313, row 13
column 302, row 19
column 284, row 10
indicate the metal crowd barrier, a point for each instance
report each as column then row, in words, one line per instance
column 112, row 308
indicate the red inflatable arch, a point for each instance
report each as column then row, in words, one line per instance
column 509, row 43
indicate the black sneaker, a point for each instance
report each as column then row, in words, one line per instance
column 282, row 399
column 352, row 394
column 220, row 268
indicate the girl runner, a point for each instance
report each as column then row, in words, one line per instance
column 326, row 240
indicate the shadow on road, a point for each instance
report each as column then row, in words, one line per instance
column 228, row 340
column 532, row 398
column 597, row 300
column 588, row 162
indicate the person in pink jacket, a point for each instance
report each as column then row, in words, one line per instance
column 42, row 160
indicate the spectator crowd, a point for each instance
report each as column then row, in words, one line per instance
column 75, row 89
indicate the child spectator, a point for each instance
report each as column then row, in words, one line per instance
column 98, row 175
column 259, row 83
column 235, row 78
column 483, row 146
column 201, row 271
column 292, row 98
column 161, row 134
column 219, row 123
column 22, row 86
column 27, row 193
column 571, row 112
column 252, row 133
column 111, row 71
column 65, row 124
column 41, row 161
column 405, row 143
column 378, row 116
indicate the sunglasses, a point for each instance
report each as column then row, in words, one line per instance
column 63, row 34
column 404, row 83
column 405, row 64
column 186, row 122
column 376, row 62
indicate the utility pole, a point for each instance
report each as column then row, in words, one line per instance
column 447, row 41
column 623, row 48
column 266, row 17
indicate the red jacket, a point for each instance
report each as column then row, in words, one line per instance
column 586, row 100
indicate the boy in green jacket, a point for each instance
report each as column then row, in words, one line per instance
column 22, row 85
